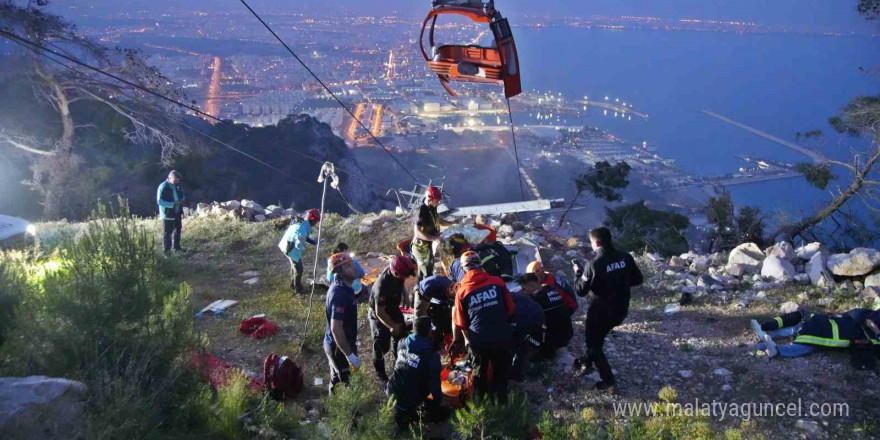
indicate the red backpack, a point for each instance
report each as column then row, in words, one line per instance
column 282, row 377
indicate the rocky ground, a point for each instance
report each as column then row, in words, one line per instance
column 705, row 350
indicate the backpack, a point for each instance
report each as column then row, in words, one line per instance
column 495, row 257
column 281, row 377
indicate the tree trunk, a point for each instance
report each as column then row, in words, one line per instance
column 790, row 231
column 54, row 175
column 570, row 205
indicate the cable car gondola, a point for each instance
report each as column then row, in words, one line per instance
column 473, row 63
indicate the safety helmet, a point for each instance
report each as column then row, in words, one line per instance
column 403, row 266
column 470, row 260
column 434, row 193
column 535, row 267
column 338, row 260
column 313, row 215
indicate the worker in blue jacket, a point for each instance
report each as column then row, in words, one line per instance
column 293, row 244
column 170, row 198
column 528, row 333
column 416, row 375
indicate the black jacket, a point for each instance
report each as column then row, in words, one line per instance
column 609, row 277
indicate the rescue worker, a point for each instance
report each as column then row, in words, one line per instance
column 482, row 316
column 528, row 332
column 341, row 311
column 811, row 330
column 387, row 324
column 607, row 279
column 557, row 316
column 494, row 256
column 356, row 285
column 550, row 280
column 426, row 231
column 293, row 244
column 170, row 198
column 434, row 300
column 416, row 375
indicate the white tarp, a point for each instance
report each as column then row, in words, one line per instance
column 12, row 226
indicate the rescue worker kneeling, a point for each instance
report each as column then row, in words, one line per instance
column 416, row 375
column 557, row 315
column 482, row 316
column 434, row 300
column 528, row 332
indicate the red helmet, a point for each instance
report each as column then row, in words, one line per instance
column 434, row 193
column 313, row 215
column 403, row 266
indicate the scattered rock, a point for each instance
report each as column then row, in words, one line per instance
column 782, row 250
column 364, row 229
column 253, row 206
column 259, row 218
column 806, row 252
column 777, row 268
column 564, row 360
column 506, row 230
column 810, row 427
column 789, row 307
column 252, row 281
column 802, row 278
column 678, row 263
column 203, row 209
column 736, row 270
column 249, row 274
column 859, row 261
column 654, row 257
column 685, row 373
column 747, row 254
column 726, row 387
column 723, row 372
column 816, row 269
column 231, row 205
column 700, row 264
column 873, row 280
column 672, row 309
column 218, row 211
column 40, row 407
column 871, row 292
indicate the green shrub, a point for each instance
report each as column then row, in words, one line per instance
column 359, row 411
column 485, row 418
column 100, row 310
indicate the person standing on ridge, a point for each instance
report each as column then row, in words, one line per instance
column 341, row 310
column 482, row 316
column 387, row 323
column 607, row 279
column 426, row 231
column 170, row 198
column 293, row 244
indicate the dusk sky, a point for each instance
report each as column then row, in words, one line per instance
column 838, row 13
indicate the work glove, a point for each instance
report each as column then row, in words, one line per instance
column 577, row 267
column 354, row 361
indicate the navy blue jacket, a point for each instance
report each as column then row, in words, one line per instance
column 416, row 373
column 528, row 318
column 341, row 305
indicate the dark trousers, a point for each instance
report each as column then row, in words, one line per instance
column 339, row 370
column 383, row 341
column 296, row 274
column 599, row 324
column 524, row 353
column 786, row 320
column 499, row 359
column 171, row 235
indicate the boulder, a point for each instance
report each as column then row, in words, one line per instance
column 230, row 205
column 289, row 212
column 872, row 280
column 678, row 263
column 789, row 307
column 871, row 293
column 802, row 278
column 253, row 206
column 737, row 270
column 707, row 281
column 782, row 250
column 40, row 407
column 506, row 230
column 364, row 229
column 859, row 261
column 748, row 254
column 203, row 209
column 218, row 211
column 700, row 264
column 274, row 211
column 807, row 251
column 716, row 259
column 819, row 275
column 654, row 257
column 259, row 218
column 777, row 268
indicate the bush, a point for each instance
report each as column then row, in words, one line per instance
column 359, row 411
column 484, row 418
column 100, row 310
